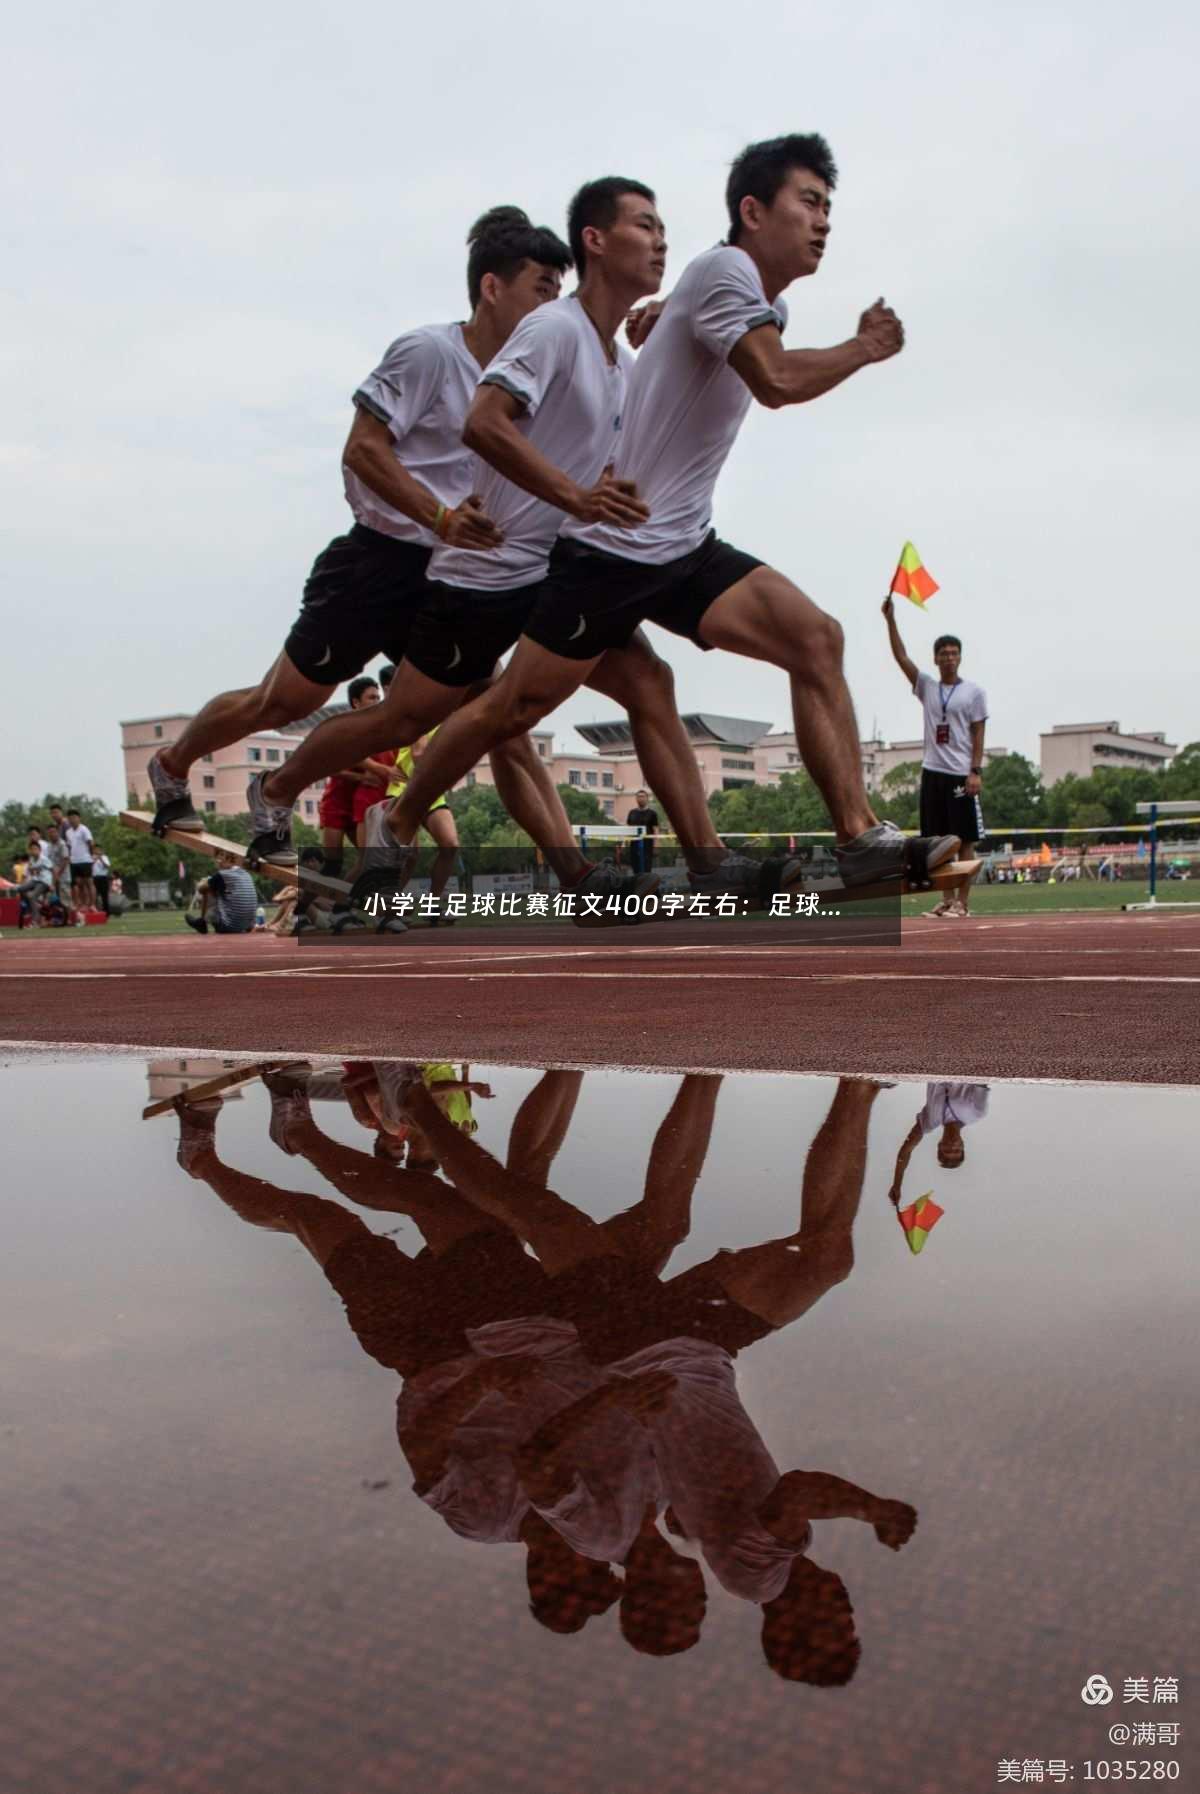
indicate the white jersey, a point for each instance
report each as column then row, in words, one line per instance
column 686, row 406
column 479, row 1494
column 963, row 1103
column 80, row 845
column 715, row 1468
column 957, row 707
column 573, row 396
column 420, row 390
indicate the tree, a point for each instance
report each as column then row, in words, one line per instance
column 581, row 806
column 1012, row 794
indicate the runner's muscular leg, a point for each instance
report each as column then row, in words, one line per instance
column 765, row 617
column 782, row 1279
column 533, row 684
column 283, row 695
column 412, row 705
column 643, row 685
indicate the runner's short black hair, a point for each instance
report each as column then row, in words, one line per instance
column 387, row 673
column 358, row 686
column 595, row 207
column 502, row 241
column 72, row 812
column 947, row 641
column 762, row 168
column 312, row 856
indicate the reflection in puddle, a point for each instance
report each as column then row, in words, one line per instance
column 661, row 1346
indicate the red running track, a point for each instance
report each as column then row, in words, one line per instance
column 1064, row 996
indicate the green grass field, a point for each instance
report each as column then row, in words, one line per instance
column 986, row 900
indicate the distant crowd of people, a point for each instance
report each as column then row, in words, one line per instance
column 63, row 874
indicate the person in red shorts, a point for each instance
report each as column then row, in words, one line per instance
column 347, row 796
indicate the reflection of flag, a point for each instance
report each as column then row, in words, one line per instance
column 182, row 870
column 911, row 578
column 919, row 1220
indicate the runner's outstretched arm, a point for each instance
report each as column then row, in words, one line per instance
column 777, row 376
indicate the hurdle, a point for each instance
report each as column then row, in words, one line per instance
column 1154, row 811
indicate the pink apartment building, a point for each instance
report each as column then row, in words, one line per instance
column 219, row 780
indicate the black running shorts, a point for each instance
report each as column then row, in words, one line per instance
column 409, row 1313
column 461, row 632
column 619, row 1307
column 359, row 601
column 593, row 601
column 947, row 810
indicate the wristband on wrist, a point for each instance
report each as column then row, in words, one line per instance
column 441, row 520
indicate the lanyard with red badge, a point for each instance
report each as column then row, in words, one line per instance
column 942, row 729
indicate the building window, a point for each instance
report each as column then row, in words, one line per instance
column 210, row 806
column 469, row 781
column 591, row 778
column 158, row 731
column 207, row 759
column 606, row 779
column 541, row 748
column 256, row 755
column 308, row 806
column 575, row 778
column 735, row 784
column 738, row 765
column 210, row 784
column 606, row 804
column 272, row 753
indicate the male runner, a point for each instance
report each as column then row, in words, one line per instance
column 408, row 483
column 952, row 762
column 715, row 347
column 551, row 401
column 338, row 812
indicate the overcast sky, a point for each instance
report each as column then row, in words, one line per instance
column 217, row 217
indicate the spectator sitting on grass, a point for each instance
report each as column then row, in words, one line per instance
column 228, row 900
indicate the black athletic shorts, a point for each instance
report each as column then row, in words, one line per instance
column 592, row 601
column 409, row 1313
column 80, row 869
column 947, row 810
column 359, row 601
column 618, row 1307
column 461, row 631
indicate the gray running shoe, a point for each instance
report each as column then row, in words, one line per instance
column 197, row 1130
column 737, row 875
column 272, row 825
column 396, row 1078
column 386, row 866
column 607, row 881
column 884, row 853
column 173, row 807
column 288, row 1109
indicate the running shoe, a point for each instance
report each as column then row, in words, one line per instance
column 386, row 866
column 884, row 852
column 738, row 875
column 173, row 807
column 608, row 882
column 271, row 844
column 197, row 1131
column 289, row 1109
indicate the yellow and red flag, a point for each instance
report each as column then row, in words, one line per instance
column 919, row 1220
column 912, row 578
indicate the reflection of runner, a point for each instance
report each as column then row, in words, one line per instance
column 950, row 1107
column 723, row 1487
column 463, row 1323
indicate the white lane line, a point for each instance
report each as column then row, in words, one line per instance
column 141, row 1050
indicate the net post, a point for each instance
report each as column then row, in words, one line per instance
column 1153, row 852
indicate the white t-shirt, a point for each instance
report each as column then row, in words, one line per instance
column 574, row 397
column 715, row 1469
column 958, row 706
column 420, row 390
column 80, row 845
column 963, row 1103
column 479, row 1494
column 101, row 866
column 686, row 406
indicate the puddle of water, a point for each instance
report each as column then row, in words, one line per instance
column 708, row 1477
